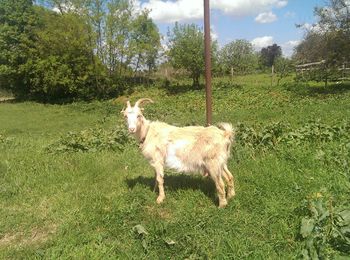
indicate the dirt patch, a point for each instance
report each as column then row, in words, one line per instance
column 36, row 236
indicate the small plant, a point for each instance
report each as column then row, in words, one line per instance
column 325, row 229
column 266, row 136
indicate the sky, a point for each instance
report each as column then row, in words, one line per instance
column 262, row 22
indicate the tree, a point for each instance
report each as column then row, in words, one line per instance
column 186, row 50
column 313, row 48
column 334, row 23
column 329, row 39
column 17, row 42
column 74, row 48
column 238, row 56
column 283, row 67
column 269, row 54
column 146, row 42
column 118, row 34
column 62, row 65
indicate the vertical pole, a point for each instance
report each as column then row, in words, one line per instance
column 207, row 54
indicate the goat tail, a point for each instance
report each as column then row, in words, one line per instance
column 229, row 132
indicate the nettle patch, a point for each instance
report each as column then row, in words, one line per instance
column 256, row 137
column 270, row 135
column 92, row 140
column 326, row 228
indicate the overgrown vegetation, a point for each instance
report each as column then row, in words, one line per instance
column 326, row 229
column 74, row 49
column 92, row 140
column 56, row 51
column 75, row 186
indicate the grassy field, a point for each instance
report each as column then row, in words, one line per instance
column 73, row 185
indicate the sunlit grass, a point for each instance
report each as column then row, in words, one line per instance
column 86, row 204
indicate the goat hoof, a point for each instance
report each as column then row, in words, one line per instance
column 222, row 204
column 160, row 200
column 230, row 194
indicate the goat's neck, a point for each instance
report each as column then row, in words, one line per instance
column 142, row 131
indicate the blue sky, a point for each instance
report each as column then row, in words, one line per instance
column 261, row 22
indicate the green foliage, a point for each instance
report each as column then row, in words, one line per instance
column 269, row 54
column 328, row 42
column 283, row 68
column 87, row 204
column 92, row 140
column 146, row 42
column 4, row 139
column 87, row 50
column 312, row 49
column 186, row 50
column 17, row 41
column 268, row 136
column 239, row 56
column 62, row 66
column 326, row 229
column 334, row 19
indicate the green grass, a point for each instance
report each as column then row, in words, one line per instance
column 86, row 204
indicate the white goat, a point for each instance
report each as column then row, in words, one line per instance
column 185, row 149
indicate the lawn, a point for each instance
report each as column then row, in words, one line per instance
column 74, row 185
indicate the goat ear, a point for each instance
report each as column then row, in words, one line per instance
column 143, row 100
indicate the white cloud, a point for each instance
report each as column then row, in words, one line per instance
column 289, row 14
column 312, row 27
column 168, row 11
column 261, row 42
column 56, row 10
column 306, row 26
column 266, row 17
column 281, row 4
column 243, row 7
column 66, row 8
column 213, row 33
column 288, row 47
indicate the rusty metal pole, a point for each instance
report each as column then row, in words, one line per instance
column 207, row 53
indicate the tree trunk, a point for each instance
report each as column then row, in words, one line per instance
column 196, row 81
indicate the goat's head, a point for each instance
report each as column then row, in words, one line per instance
column 133, row 114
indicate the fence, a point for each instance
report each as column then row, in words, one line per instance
column 322, row 71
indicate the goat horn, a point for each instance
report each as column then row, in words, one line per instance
column 142, row 100
column 128, row 103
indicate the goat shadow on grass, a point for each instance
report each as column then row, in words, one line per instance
column 178, row 182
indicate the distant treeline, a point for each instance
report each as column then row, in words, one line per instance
column 55, row 49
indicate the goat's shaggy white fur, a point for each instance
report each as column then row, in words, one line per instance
column 185, row 149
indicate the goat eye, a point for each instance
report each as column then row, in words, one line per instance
column 139, row 116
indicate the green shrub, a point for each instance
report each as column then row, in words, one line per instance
column 92, row 140
column 268, row 136
column 326, row 228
